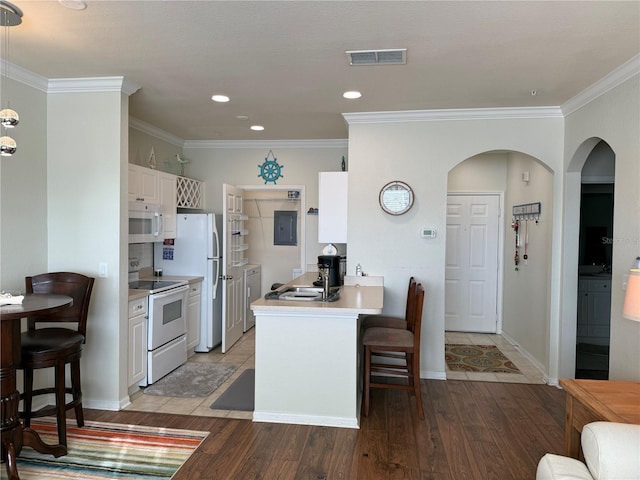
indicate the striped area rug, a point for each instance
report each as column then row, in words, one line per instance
column 100, row 451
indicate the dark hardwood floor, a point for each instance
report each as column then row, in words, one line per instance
column 472, row 430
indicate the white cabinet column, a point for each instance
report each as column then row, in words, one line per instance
column 332, row 207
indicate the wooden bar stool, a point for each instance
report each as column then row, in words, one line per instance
column 56, row 346
column 404, row 347
column 369, row 321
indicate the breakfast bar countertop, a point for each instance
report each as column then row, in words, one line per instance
column 354, row 299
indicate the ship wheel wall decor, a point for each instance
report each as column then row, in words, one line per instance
column 270, row 171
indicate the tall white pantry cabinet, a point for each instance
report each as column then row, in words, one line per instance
column 332, row 207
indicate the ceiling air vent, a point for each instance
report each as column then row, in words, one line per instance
column 395, row 56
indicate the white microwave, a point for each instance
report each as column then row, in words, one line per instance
column 145, row 223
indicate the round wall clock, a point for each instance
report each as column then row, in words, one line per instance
column 396, row 198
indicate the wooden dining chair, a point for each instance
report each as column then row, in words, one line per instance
column 55, row 347
column 369, row 321
column 403, row 345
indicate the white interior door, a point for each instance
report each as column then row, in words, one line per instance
column 233, row 260
column 471, row 276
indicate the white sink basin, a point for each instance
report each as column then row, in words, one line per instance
column 304, row 294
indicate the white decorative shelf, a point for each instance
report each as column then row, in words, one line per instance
column 241, row 262
column 190, row 193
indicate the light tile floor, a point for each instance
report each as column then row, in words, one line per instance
column 242, row 354
column 530, row 373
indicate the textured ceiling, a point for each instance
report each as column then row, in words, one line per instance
column 284, row 65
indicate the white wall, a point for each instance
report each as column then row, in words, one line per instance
column 486, row 172
column 526, row 292
column 23, row 190
column 422, row 153
column 612, row 117
column 87, row 211
column 142, row 140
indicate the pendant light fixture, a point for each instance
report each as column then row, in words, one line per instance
column 10, row 16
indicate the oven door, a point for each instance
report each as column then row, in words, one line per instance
column 167, row 316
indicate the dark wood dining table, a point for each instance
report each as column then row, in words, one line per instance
column 13, row 434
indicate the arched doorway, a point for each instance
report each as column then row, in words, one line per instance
column 524, row 293
column 595, row 254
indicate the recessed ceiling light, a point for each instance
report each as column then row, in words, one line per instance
column 352, row 94
column 220, row 98
column 73, row 4
column 257, row 128
column 242, row 117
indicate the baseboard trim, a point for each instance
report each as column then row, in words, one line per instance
column 317, row 420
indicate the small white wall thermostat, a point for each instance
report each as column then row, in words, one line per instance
column 426, row 232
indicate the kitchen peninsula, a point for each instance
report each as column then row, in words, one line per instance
column 308, row 355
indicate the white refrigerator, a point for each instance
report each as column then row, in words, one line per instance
column 196, row 251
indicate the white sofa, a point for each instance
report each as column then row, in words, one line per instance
column 611, row 452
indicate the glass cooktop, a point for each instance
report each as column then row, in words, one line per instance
column 155, row 286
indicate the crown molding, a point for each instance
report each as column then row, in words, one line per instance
column 179, row 142
column 452, row 114
column 155, row 132
column 92, row 84
column 610, row 81
column 22, row 75
column 335, row 143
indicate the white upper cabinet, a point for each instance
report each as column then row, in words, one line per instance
column 332, row 207
column 167, row 186
column 143, row 184
column 153, row 186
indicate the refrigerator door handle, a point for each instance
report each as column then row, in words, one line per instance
column 215, row 277
column 216, row 243
column 213, row 238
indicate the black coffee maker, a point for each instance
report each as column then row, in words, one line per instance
column 332, row 263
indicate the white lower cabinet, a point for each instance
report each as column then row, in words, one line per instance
column 594, row 310
column 137, row 355
column 193, row 316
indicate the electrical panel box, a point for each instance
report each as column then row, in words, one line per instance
column 285, row 227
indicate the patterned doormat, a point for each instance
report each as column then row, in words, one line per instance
column 192, row 380
column 478, row 358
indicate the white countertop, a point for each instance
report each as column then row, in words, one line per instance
column 136, row 294
column 353, row 299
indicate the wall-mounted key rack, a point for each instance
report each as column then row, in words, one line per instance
column 527, row 211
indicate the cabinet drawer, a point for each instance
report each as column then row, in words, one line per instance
column 195, row 289
column 138, row 307
column 599, row 285
column 599, row 331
